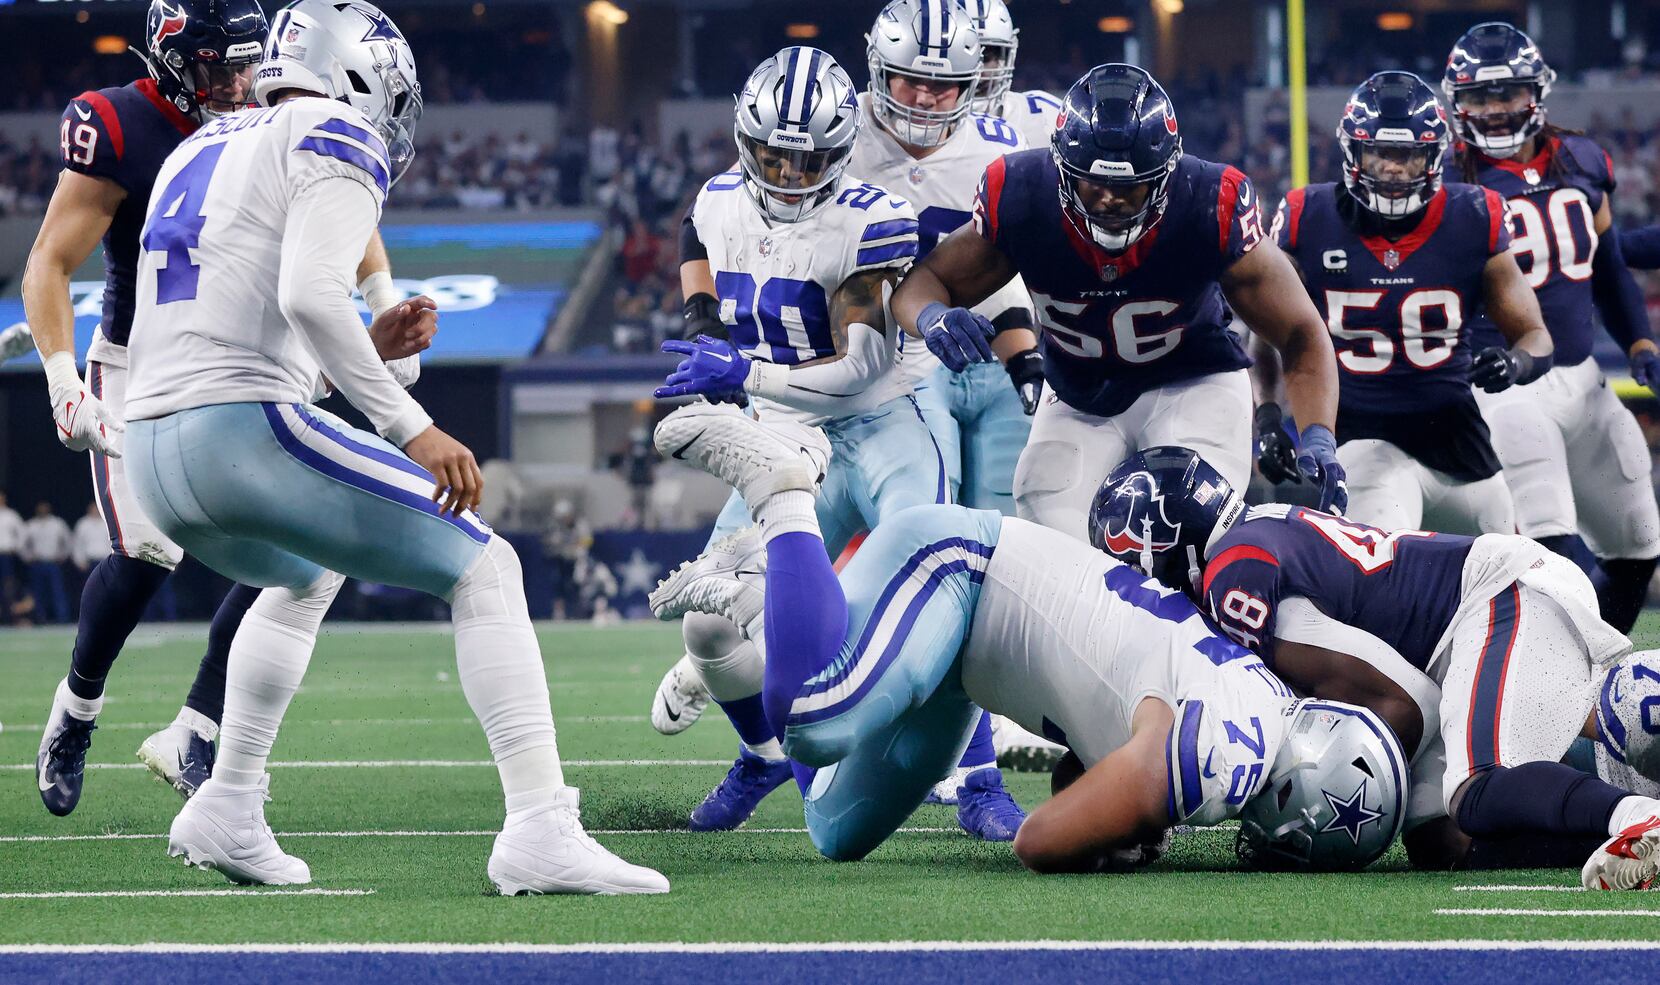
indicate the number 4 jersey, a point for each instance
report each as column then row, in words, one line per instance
column 120, row 134
column 209, row 328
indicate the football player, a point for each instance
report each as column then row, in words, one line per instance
column 1574, row 456
column 797, row 258
column 1507, row 631
column 877, row 680
column 1032, row 112
column 244, row 302
column 1129, row 249
column 201, row 58
column 1398, row 263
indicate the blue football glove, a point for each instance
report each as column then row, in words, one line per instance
column 956, row 335
column 713, row 368
column 1645, row 368
column 1317, row 464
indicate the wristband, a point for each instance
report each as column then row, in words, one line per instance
column 379, row 293
column 61, row 374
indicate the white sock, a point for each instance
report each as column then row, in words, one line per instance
column 86, row 709
column 769, row 750
column 197, row 722
column 1631, row 810
column 267, row 661
column 500, row 666
column 790, row 511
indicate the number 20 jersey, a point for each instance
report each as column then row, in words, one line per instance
column 208, row 328
column 1554, row 234
column 775, row 280
column 1118, row 325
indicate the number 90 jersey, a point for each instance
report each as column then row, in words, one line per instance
column 1402, row 586
column 1554, row 199
column 1068, row 642
column 208, row 327
column 775, row 280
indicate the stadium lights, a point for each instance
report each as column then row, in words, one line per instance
column 109, row 44
column 801, row 32
column 1395, row 20
column 607, row 12
column 1168, row 6
column 1115, row 25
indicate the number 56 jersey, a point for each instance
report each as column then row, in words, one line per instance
column 776, row 280
column 208, row 328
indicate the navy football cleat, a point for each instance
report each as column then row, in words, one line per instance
column 180, row 756
column 985, row 809
column 747, row 783
column 61, row 764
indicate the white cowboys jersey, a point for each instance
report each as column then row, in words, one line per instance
column 941, row 187
column 775, row 280
column 207, row 328
column 1033, row 113
column 1067, row 642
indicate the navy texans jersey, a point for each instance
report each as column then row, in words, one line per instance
column 1402, row 586
column 1554, row 236
column 122, row 133
column 1117, row 326
column 1400, row 312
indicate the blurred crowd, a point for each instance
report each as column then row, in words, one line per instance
column 44, row 563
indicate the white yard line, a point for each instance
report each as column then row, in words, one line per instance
column 124, row 893
column 292, row 723
column 346, row 764
column 130, row 836
column 1508, row 912
column 750, row 947
column 1518, row 889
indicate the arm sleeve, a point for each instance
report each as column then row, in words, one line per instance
column 691, row 247
column 329, row 223
column 1641, row 247
column 1617, row 296
column 824, row 388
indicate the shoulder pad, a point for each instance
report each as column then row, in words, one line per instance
column 344, row 136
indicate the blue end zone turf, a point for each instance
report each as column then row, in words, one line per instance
column 1095, row 963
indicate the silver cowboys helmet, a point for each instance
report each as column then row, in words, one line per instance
column 999, row 42
column 1336, row 792
column 922, row 39
column 352, row 52
column 795, row 123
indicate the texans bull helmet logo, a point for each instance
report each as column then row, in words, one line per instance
column 1147, row 529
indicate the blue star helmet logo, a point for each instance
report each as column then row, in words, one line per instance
column 380, row 26
column 1351, row 815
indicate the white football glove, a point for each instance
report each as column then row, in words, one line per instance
column 16, row 341
column 83, row 422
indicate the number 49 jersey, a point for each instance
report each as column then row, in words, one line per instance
column 775, row 280
column 1402, row 586
column 1554, row 199
column 208, row 327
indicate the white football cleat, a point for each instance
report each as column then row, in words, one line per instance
column 182, row 754
column 680, row 699
column 1629, row 860
column 223, row 828
column 756, row 459
column 1020, row 750
column 945, row 791
column 547, row 851
column 722, row 581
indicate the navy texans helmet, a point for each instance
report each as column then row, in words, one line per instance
column 1160, row 510
column 1117, row 129
column 1394, row 138
column 1496, row 63
column 202, row 53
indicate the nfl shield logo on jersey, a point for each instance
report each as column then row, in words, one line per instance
column 917, row 174
column 1391, row 259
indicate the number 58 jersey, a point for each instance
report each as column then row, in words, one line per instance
column 776, row 280
column 208, row 328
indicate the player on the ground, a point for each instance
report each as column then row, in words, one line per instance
column 1033, row 112
column 1574, row 456
column 201, row 57
column 244, row 302
column 878, row 680
column 797, row 257
column 1129, row 249
column 1399, row 264
column 1507, row 631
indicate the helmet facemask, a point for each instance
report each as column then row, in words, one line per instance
column 1116, row 224
column 789, row 184
column 1393, row 179
column 996, row 76
column 1501, row 116
column 913, row 125
column 221, row 89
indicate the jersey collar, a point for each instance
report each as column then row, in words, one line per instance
column 185, row 124
column 1537, row 163
column 1403, row 248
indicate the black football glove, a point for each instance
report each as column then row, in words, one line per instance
column 702, row 313
column 1277, row 453
column 1497, row 368
column 1026, row 373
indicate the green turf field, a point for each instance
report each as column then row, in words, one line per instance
column 396, row 809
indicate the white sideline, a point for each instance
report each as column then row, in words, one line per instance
column 126, row 836
column 112, row 893
column 751, row 947
column 345, row 764
column 1470, row 912
column 288, row 724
